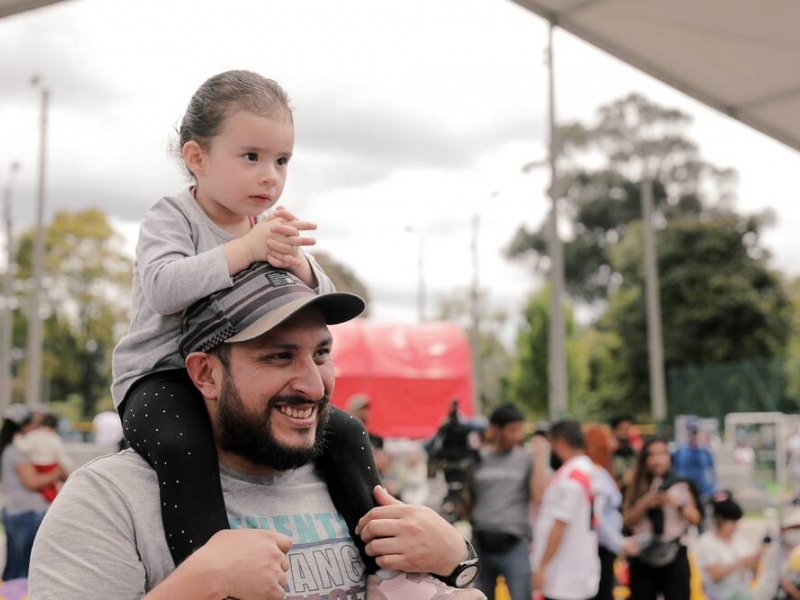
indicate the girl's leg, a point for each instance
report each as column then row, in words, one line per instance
column 166, row 422
column 644, row 581
column 350, row 472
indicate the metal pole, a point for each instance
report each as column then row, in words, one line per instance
column 558, row 401
column 34, row 353
column 655, row 343
column 7, row 323
column 475, row 311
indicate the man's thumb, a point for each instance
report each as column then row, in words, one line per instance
column 383, row 497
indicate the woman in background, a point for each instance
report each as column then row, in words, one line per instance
column 660, row 507
column 23, row 504
column 611, row 541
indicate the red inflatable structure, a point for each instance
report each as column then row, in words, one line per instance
column 411, row 373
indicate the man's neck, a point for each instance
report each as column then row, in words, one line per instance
column 243, row 465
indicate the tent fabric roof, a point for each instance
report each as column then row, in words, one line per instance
column 12, row 7
column 738, row 56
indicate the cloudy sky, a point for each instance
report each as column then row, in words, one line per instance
column 408, row 113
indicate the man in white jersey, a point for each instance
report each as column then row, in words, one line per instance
column 261, row 360
column 565, row 558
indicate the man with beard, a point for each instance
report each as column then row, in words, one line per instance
column 264, row 372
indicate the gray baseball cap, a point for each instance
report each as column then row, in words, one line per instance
column 261, row 298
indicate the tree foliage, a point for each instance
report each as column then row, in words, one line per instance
column 343, row 277
column 493, row 358
column 601, row 170
column 719, row 300
column 86, row 281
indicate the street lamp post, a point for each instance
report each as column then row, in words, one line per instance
column 6, row 322
column 475, row 313
column 558, row 400
column 34, row 353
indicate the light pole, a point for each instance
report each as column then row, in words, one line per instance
column 558, row 399
column 34, row 353
column 475, row 313
column 655, row 341
column 7, row 322
column 420, row 272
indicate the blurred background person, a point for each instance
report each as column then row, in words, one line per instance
column 658, row 508
column 499, row 493
column 623, row 457
column 45, row 450
column 107, row 429
column 565, row 556
column 359, row 405
column 453, row 450
column 23, row 504
column 725, row 558
column 611, row 542
column 695, row 462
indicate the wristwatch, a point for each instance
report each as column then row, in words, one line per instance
column 466, row 572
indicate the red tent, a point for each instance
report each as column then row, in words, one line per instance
column 411, row 373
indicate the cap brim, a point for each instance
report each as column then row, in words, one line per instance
column 336, row 307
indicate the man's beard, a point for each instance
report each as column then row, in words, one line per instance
column 248, row 433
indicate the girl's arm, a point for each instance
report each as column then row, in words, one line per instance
column 171, row 272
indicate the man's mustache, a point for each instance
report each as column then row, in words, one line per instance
column 299, row 401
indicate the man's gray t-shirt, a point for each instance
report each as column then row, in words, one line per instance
column 103, row 537
column 18, row 499
column 500, row 490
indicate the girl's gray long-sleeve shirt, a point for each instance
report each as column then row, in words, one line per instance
column 179, row 260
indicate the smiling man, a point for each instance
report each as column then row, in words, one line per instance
column 259, row 354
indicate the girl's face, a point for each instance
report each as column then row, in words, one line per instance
column 242, row 171
column 658, row 459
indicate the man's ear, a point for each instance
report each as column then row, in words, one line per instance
column 205, row 371
column 194, row 157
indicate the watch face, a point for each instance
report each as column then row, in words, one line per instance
column 467, row 576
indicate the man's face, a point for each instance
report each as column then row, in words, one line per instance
column 622, row 433
column 362, row 414
column 276, row 392
column 510, row 436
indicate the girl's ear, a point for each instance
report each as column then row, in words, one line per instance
column 194, row 156
column 205, row 371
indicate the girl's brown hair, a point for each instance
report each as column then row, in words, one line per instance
column 598, row 445
column 642, row 477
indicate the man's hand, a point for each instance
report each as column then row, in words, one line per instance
column 248, row 564
column 410, row 538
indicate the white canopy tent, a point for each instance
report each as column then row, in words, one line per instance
column 738, row 56
column 12, row 7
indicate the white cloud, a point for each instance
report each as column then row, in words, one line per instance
column 411, row 112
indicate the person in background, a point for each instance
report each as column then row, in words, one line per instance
column 46, row 451
column 611, row 542
column 500, row 490
column 107, row 429
column 565, row 555
column 623, row 458
column 725, row 558
column 659, row 507
column 360, row 407
column 23, row 504
column 786, row 555
column 696, row 463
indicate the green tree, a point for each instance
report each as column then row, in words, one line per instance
column 632, row 137
column 528, row 379
column 493, row 358
column 720, row 302
column 343, row 277
column 86, row 283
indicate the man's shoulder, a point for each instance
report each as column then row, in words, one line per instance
column 125, row 470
